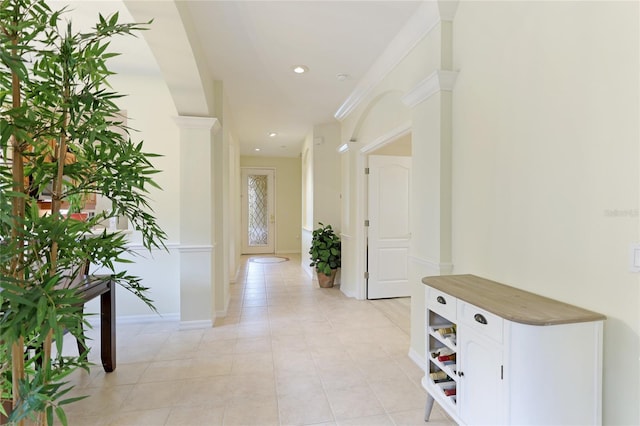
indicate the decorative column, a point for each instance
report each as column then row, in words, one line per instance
column 197, row 247
column 431, row 103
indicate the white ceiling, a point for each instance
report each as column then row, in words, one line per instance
column 252, row 46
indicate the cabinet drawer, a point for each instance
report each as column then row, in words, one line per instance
column 442, row 303
column 483, row 322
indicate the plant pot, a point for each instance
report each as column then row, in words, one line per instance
column 79, row 216
column 326, row 281
column 7, row 404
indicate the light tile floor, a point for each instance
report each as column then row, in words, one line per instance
column 288, row 353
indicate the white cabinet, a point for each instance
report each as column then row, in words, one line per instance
column 499, row 355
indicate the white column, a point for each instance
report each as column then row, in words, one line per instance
column 197, row 247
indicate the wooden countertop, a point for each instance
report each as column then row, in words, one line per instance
column 510, row 303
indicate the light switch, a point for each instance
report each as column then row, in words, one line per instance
column 634, row 258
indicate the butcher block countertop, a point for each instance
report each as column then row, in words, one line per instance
column 510, row 303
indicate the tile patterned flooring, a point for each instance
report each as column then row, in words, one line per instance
column 288, row 353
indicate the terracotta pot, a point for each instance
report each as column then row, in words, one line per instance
column 7, row 404
column 326, row 281
column 79, row 216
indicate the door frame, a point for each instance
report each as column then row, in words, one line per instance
column 244, row 246
column 363, row 201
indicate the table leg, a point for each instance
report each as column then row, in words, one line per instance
column 428, row 407
column 108, row 328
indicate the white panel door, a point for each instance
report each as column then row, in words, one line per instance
column 389, row 230
column 258, row 211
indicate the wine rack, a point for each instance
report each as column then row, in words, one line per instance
column 442, row 353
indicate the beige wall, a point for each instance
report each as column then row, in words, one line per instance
column 150, row 111
column 540, row 183
column 326, row 176
column 288, row 199
column 545, row 145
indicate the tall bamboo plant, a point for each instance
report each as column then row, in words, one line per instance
column 61, row 132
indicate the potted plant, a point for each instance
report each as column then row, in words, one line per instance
column 325, row 254
column 56, row 103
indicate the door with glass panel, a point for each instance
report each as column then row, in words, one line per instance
column 258, row 211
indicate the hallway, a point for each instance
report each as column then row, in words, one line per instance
column 288, row 353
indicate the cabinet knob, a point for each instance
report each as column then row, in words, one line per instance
column 480, row 318
column 441, row 300
column 460, row 373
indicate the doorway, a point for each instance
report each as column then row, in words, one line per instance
column 258, row 211
column 388, row 233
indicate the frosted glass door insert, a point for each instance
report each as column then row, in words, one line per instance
column 258, row 220
column 258, row 210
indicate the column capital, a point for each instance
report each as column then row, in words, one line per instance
column 204, row 123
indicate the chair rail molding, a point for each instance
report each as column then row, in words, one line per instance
column 442, row 268
column 437, row 81
column 195, row 248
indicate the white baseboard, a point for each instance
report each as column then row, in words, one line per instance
column 348, row 293
column 195, row 325
column 223, row 313
column 417, row 358
column 94, row 319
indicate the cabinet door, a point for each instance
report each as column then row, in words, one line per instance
column 480, row 384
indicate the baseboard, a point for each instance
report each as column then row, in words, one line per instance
column 94, row 319
column 223, row 313
column 417, row 358
column 348, row 293
column 194, row 325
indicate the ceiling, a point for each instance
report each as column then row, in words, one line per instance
column 252, row 46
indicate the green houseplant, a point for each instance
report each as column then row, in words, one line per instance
column 56, row 106
column 325, row 252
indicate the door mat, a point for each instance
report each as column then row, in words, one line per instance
column 269, row 259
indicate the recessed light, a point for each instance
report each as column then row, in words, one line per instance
column 343, row 77
column 300, row 69
column 257, row 149
column 273, row 134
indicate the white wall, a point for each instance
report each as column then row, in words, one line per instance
column 543, row 163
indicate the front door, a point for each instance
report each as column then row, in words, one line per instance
column 389, row 232
column 258, row 211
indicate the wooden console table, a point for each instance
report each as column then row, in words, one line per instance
column 102, row 285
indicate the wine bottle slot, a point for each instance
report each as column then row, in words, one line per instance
column 438, row 375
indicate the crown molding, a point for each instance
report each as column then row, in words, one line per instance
column 203, row 123
column 437, row 81
column 426, row 18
